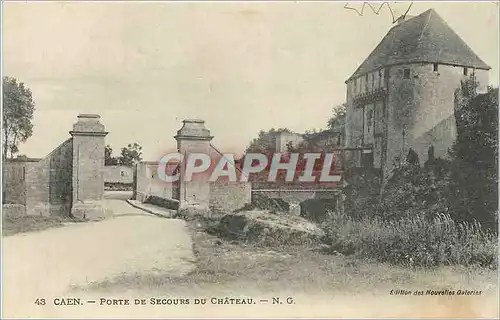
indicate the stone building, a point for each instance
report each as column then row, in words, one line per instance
column 402, row 95
column 285, row 138
column 324, row 139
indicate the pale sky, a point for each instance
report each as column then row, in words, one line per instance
column 242, row 67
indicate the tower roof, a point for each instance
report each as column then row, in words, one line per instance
column 424, row 38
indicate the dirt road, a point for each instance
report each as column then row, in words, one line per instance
column 46, row 264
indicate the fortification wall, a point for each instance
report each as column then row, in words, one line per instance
column 49, row 183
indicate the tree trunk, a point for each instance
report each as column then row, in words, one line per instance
column 5, row 145
column 12, row 146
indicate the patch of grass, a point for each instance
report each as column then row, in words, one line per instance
column 230, row 266
column 23, row 224
column 235, row 264
column 414, row 240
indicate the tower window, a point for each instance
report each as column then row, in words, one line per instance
column 370, row 120
column 406, row 73
column 466, row 71
column 436, row 67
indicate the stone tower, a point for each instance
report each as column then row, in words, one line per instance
column 193, row 137
column 402, row 95
column 88, row 165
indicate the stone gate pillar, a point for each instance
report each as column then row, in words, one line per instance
column 193, row 137
column 88, row 166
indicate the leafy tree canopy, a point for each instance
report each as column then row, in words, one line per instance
column 130, row 155
column 337, row 118
column 109, row 160
column 266, row 141
column 18, row 110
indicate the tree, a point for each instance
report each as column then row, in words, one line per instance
column 266, row 141
column 130, row 155
column 338, row 114
column 109, row 160
column 474, row 174
column 18, row 110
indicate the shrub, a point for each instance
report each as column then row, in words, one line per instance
column 414, row 240
column 413, row 190
column 362, row 191
column 474, row 176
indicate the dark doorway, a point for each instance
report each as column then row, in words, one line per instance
column 367, row 160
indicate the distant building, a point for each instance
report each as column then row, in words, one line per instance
column 118, row 174
column 326, row 140
column 329, row 138
column 284, row 139
column 402, row 95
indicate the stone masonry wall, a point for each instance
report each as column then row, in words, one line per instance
column 229, row 196
column 118, row 174
column 14, row 183
column 49, row 183
column 224, row 195
column 149, row 184
column 140, row 182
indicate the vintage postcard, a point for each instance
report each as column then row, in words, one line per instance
column 272, row 159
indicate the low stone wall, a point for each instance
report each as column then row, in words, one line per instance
column 118, row 174
column 229, row 196
column 172, row 204
column 147, row 182
column 139, row 196
column 118, row 186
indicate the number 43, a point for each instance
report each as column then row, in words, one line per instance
column 40, row 302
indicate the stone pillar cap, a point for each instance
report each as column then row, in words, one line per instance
column 193, row 129
column 89, row 116
column 88, row 124
column 193, row 121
